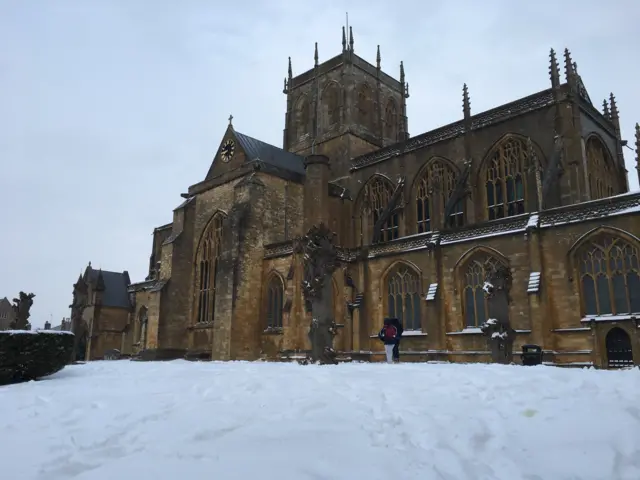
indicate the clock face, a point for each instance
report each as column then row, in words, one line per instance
column 227, row 150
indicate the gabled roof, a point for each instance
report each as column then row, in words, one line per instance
column 115, row 287
column 257, row 150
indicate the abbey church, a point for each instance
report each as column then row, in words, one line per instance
column 538, row 185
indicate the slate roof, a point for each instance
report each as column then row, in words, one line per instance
column 258, row 150
column 115, row 287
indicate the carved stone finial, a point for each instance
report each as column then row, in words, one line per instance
column 231, row 120
column 402, row 72
column 290, row 72
column 315, row 56
column 378, row 58
column 554, row 71
column 344, row 40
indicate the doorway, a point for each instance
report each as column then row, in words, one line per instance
column 619, row 351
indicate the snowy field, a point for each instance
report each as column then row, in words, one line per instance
column 178, row 420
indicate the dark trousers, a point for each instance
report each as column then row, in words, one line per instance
column 396, row 351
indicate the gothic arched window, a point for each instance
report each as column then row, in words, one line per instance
column 609, row 276
column 434, row 188
column 377, row 195
column 476, row 309
column 505, row 173
column 391, row 120
column 207, row 265
column 331, row 105
column 275, row 294
column 364, row 106
column 403, row 296
column 599, row 171
column 302, row 119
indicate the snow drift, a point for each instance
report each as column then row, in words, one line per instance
column 237, row 420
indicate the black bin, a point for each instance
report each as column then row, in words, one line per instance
column 531, row 355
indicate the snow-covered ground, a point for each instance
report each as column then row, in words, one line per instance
column 180, row 420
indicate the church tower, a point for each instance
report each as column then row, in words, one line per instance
column 344, row 107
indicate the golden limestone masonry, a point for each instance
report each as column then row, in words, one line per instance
column 537, row 187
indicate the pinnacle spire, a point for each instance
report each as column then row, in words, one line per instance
column 290, row 72
column 466, row 104
column 378, row 58
column 315, row 56
column 554, row 71
column 638, row 150
column 605, row 109
column 401, row 72
column 344, row 40
column 615, row 115
column 351, row 38
column 568, row 65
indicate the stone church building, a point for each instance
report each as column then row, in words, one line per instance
column 538, row 185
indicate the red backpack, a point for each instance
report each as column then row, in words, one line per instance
column 390, row 333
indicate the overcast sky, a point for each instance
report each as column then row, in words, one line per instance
column 110, row 109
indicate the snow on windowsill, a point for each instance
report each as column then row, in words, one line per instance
column 407, row 333
column 610, row 318
column 567, row 330
column 477, row 331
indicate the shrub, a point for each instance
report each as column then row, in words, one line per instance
column 29, row 355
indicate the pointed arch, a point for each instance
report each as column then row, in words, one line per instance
column 301, row 117
column 364, row 105
column 471, row 270
column 373, row 198
column 504, row 174
column 432, row 187
column 402, row 283
column 222, row 215
column 601, row 170
column 207, row 260
column 391, row 120
column 330, row 104
column 606, row 262
column 274, row 300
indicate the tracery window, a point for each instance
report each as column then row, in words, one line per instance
column 331, row 104
column 437, row 179
column 609, row 277
column 476, row 308
column 599, row 171
column 302, row 117
column 377, row 195
column 505, row 179
column 391, row 120
column 275, row 294
column 207, row 268
column 364, row 106
column 403, row 296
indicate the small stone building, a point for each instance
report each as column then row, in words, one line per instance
column 100, row 313
column 538, row 185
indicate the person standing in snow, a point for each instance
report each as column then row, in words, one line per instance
column 389, row 336
column 396, row 348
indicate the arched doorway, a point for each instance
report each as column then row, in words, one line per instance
column 619, row 352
